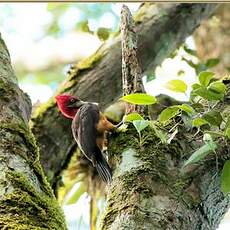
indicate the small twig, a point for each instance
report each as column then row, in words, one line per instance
column 131, row 71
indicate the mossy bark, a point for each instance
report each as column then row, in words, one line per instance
column 160, row 28
column 150, row 191
column 26, row 198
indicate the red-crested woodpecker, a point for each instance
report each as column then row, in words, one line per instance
column 89, row 127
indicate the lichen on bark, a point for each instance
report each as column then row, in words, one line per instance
column 152, row 191
column 26, row 198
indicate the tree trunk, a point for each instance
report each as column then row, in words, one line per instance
column 150, row 191
column 161, row 28
column 26, row 198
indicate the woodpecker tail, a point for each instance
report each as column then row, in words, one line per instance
column 103, row 168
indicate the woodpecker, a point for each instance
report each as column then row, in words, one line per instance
column 89, row 127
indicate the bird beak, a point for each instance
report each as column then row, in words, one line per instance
column 77, row 104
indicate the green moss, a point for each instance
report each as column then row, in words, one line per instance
column 32, row 158
column 79, row 68
column 72, row 77
column 41, row 110
column 157, row 175
column 37, row 210
column 90, row 61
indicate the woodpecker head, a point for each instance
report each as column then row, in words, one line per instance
column 69, row 105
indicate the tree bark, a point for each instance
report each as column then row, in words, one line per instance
column 150, row 191
column 161, row 29
column 26, row 198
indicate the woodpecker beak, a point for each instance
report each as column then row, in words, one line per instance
column 77, row 104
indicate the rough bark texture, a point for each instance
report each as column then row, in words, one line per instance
column 26, row 198
column 161, row 29
column 131, row 71
column 150, row 191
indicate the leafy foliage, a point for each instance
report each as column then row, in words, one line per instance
column 206, row 117
column 213, row 118
column 198, row 122
column 203, row 151
column 139, row 99
column 132, row 117
column 169, row 113
column 225, row 178
column 205, row 78
column 201, row 66
column 177, row 86
column 140, row 125
column 208, row 88
column 227, row 128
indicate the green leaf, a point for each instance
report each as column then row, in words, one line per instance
column 176, row 86
column 201, row 153
column 207, row 94
column 83, row 26
column 213, row 118
column 190, row 51
column 132, row 117
column 227, row 132
column 225, row 178
column 159, row 133
column 140, row 125
column 103, row 33
column 76, row 194
column 198, row 122
column 150, row 77
column 205, row 77
column 227, row 128
column 228, row 122
column 187, row 121
column 212, row 62
column 196, row 86
column 217, row 87
column 200, row 91
column 168, row 113
column 139, row 99
column 186, row 108
column 198, row 107
column 189, row 62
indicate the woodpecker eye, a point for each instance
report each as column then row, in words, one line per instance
column 72, row 100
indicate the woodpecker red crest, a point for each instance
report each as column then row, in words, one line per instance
column 64, row 102
column 89, row 126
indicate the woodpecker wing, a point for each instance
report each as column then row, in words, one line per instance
column 85, row 133
column 84, row 129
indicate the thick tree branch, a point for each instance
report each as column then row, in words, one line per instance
column 26, row 198
column 161, row 29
